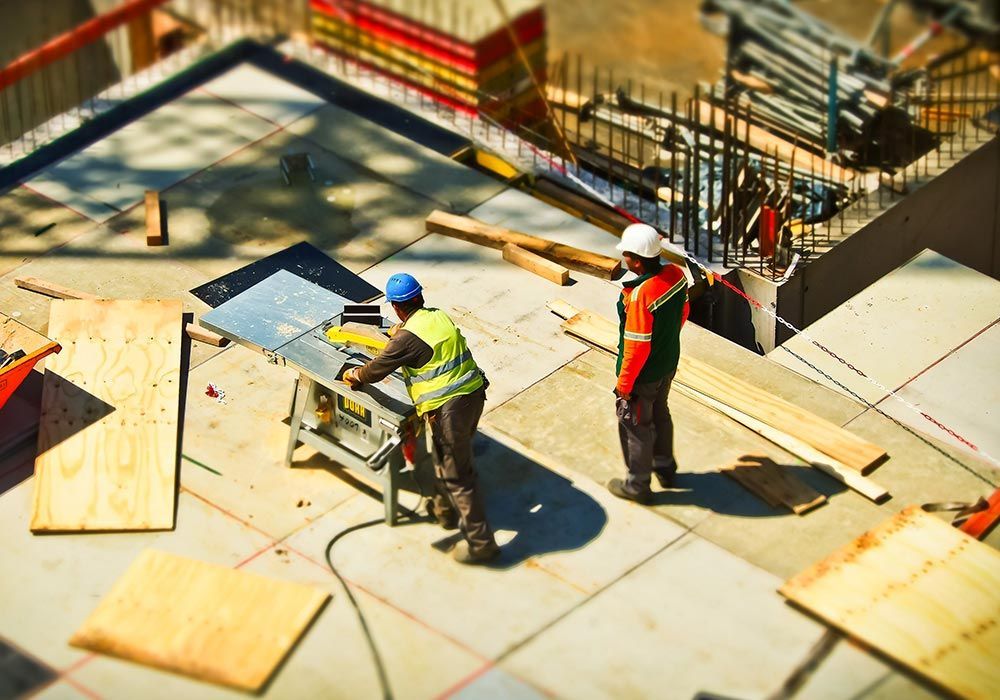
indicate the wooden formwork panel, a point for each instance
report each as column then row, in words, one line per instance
column 202, row 620
column 919, row 591
column 107, row 441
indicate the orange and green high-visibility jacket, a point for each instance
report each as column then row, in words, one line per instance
column 651, row 310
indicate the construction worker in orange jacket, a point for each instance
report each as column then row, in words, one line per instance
column 651, row 310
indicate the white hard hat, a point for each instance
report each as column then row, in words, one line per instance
column 641, row 240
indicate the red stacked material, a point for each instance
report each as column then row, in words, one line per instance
column 455, row 51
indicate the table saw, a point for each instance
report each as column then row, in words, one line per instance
column 285, row 318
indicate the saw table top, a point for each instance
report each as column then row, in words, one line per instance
column 283, row 317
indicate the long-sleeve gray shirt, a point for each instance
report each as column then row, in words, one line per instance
column 404, row 349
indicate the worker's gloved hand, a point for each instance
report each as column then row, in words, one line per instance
column 394, row 330
column 350, row 378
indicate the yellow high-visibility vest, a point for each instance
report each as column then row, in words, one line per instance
column 451, row 370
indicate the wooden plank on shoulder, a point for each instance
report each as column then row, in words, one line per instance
column 525, row 259
column 202, row 620
column 919, row 591
column 469, row 229
column 773, row 484
column 107, row 441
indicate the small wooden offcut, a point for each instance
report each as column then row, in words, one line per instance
column 201, row 620
column 526, row 260
column 154, row 219
column 773, row 484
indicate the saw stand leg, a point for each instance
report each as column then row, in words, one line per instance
column 299, row 396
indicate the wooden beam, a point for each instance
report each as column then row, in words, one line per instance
column 525, row 259
column 36, row 284
column 154, row 221
column 469, row 229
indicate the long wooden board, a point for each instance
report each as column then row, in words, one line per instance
column 919, row 591
column 816, row 459
column 469, row 229
column 107, row 440
column 202, row 620
column 36, row 284
column 773, row 485
column 829, row 438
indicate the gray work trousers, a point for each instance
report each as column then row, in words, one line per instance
column 647, row 434
column 453, row 427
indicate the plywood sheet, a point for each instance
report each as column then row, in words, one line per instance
column 202, row 620
column 107, row 442
column 919, row 591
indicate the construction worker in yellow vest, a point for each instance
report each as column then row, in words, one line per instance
column 448, row 390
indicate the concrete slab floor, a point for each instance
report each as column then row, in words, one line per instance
column 962, row 391
column 51, row 583
column 31, row 225
column 245, row 439
column 405, row 163
column 899, row 325
column 239, row 210
column 332, row 660
column 499, row 307
column 263, row 94
column 152, row 152
column 684, row 617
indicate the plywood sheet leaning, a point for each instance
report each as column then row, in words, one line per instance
column 773, row 484
column 469, row 229
column 829, row 438
column 107, row 440
column 919, row 591
column 202, row 620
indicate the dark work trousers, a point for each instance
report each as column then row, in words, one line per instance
column 647, row 434
column 453, row 427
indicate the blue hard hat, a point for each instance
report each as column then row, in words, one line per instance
column 402, row 287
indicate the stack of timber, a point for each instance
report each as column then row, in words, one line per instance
column 919, row 591
column 824, row 445
column 458, row 52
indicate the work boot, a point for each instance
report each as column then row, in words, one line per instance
column 463, row 554
column 618, row 487
column 446, row 518
column 665, row 475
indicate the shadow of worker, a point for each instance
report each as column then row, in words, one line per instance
column 544, row 510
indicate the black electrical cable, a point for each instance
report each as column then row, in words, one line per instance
column 376, row 657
